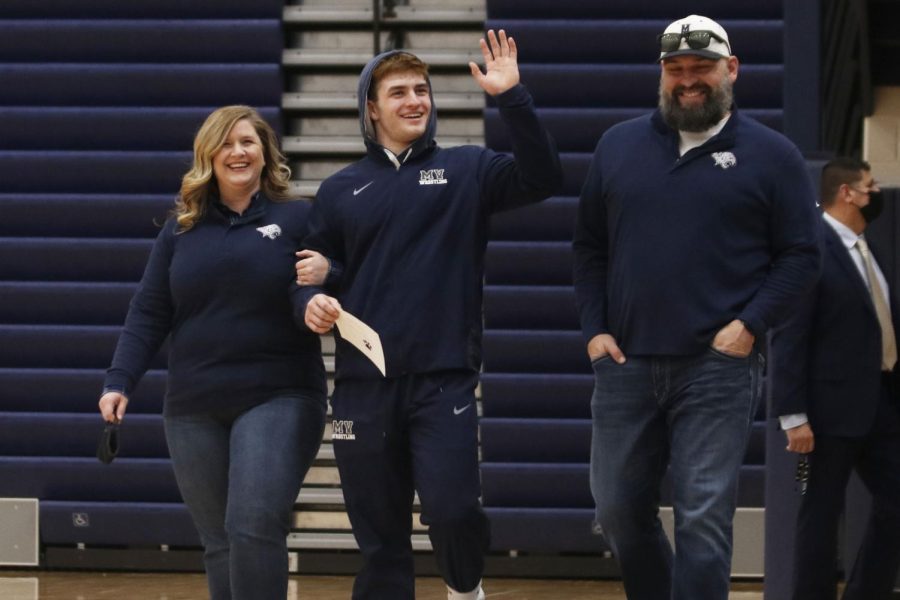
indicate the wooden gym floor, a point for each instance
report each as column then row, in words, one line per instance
column 72, row 585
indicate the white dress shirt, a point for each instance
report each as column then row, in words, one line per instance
column 849, row 239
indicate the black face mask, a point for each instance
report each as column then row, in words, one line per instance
column 871, row 210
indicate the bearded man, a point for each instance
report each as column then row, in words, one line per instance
column 697, row 232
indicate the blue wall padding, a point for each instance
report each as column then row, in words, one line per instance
column 117, row 524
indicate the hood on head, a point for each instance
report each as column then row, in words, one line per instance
column 367, row 128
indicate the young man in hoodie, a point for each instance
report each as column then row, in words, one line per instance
column 696, row 233
column 409, row 225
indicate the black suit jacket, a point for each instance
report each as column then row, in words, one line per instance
column 826, row 358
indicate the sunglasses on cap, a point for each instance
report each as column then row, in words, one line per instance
column 696, row 40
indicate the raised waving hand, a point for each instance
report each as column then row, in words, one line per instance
column 500, row 62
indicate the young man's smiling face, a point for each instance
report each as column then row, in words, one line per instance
column 400, row 110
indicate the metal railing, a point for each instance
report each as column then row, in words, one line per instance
column 384, row 11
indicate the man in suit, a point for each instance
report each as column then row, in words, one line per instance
column 834, row 388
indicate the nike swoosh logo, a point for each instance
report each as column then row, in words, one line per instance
column 356, row 192
column 459, row 411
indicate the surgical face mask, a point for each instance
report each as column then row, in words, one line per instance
column 871, row 210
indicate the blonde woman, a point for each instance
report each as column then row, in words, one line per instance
column 245, row 402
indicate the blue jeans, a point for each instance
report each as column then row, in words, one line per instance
column 239, row 474
column 693, row 414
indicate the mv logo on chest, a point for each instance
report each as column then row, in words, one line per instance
column 342, row 430
column 432, row 177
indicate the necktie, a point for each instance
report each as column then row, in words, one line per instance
column 888, row 341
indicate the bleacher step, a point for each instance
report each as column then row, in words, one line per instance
column 348, row 125
column 337, row 144
column 318, row 168
column 333, row 496
column 306, row 188
column 347, row 102
column 334, row 520
column 343, row 541
column 304, row 57
column 456, row 4
column 403, row 15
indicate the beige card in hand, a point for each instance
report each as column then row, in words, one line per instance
column 363, row 337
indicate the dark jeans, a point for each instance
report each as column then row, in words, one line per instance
column 693, row 414
column 394, row 437
column 239, row 474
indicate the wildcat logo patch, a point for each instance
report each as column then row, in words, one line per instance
column 726, row 160
column 269, row 231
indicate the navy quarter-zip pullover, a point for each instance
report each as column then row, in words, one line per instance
column 221, row 291
column 669, row 249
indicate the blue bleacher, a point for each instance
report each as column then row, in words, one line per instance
column 97, row 118
column 95, row 523
column 524, row 262
column 137, row 41
column 100, row 215
column 122, row 84
column 73, row 259
column 84, row 478
column 70, row 390
column 76, row 434
column 117, row 128
column 91, row 171
column 39, row 302
column 551, row 40
column 143, row 9
column 588, row 65
column 665, row 10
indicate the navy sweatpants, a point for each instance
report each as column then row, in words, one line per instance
column 394, row 437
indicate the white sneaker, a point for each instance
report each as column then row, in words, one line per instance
column 476, row 594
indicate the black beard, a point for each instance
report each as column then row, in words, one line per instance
column 696, row 119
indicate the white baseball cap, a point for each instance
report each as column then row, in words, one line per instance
column 710, row 40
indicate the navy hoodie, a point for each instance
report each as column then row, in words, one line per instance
column 669, row 249
column 221, row 290
column 412, row 236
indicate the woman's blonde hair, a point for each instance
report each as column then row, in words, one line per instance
column 200, row 182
